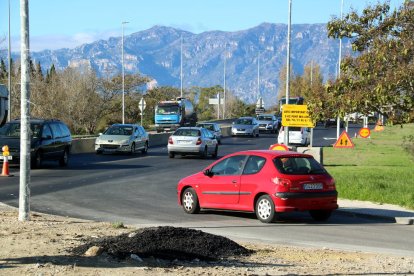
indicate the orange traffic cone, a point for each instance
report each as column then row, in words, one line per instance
column 5, row 170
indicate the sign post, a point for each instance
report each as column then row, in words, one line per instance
column 142, row 105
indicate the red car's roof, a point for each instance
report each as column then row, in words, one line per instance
column 272, row 153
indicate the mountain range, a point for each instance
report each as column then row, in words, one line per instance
column 249, row 55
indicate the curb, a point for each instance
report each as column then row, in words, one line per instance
column 361, row 214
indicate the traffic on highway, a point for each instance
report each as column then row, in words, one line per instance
column 141, row 190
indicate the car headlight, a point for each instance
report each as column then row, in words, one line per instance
column 124, row 142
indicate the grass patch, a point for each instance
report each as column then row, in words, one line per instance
column 118, row 225
column 379, row 169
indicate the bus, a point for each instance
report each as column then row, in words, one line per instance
column 292, row 100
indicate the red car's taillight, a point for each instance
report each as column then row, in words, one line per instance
column 170, row 141
column 284, row 185
column 331, row 185
column 198, row 141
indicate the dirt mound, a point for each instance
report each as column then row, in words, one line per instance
column 167, row 243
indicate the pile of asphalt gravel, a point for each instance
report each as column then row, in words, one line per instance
column 170, row 243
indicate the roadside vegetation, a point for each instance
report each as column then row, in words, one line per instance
column 378, row 169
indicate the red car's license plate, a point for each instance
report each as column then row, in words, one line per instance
column 313, row 186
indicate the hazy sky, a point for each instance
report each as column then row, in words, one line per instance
column 58, row 24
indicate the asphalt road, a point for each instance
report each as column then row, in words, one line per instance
column 141, row 190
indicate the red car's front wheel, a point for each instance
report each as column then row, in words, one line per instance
column 189, row 201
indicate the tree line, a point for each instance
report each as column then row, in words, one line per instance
column 88, row 103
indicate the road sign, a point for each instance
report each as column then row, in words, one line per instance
column 364, row 132
column 142, row 104
column 344, row 141
column 213, row 101
column 378, row 128
column 294, row 115
column 260, row 110
column 260, row 103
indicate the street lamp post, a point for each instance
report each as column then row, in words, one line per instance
column 286, row 138
column 224, row 84
column 9, row 75
column 123, row 75
column 181, row 67
column 338, row 120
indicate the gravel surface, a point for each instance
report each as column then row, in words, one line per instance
column 52, row 245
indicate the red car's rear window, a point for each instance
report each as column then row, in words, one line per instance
column 298, row 165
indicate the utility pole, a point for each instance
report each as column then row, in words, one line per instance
column 311, row 84
column 224, row 84
column 123, row 74
column 258, row 76
column 338, row 120
column 288, row 70
column 9, row 75
column 181, row 67
column 24, row 187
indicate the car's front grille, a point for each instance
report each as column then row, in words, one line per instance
column 167, row 121
column 109, row 146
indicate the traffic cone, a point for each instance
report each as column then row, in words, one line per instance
column 5, row 170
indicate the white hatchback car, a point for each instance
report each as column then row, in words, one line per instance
column 192, row 141
column 297, row 135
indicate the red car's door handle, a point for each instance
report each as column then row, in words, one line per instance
column 234, row 181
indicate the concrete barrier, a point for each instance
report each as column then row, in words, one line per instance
column 84, row 145
column 316, row 152
column 226, row 131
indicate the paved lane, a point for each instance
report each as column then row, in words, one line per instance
column 140, row 190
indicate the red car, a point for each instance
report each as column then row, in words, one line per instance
column 266, row 182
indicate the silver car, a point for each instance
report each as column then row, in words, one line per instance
column 192, row 141
column 122, row 138
column 245, row 126
column 268, row 122
column 214, row 128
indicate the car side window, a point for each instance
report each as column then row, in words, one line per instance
column 46, row 133
column 56, row 130
column 64, row 130
column 229, row 166
column 254, row 164
column 208, row 134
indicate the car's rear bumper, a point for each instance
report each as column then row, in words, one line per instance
column 287, row 202
column 185, row 149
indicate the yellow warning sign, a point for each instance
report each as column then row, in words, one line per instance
column 344, row 141
column 364, row 132
column 278, row 147
column 294, row 115
column 379, row 128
